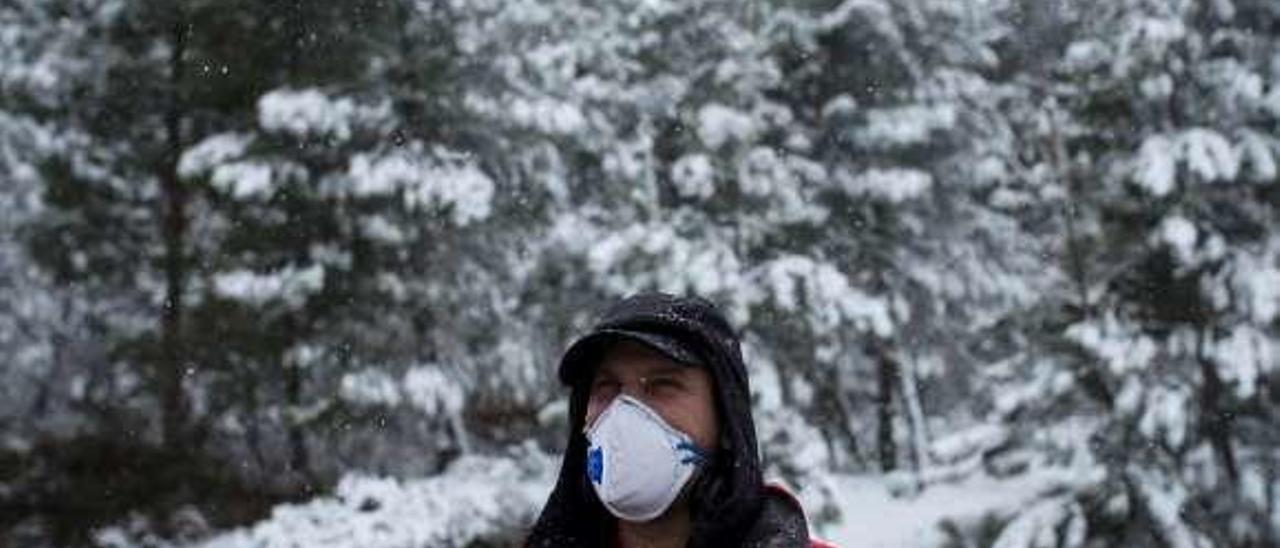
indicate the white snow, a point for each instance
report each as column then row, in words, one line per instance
column 760, row 171
column 1164, row 415
column 290, row 284
column 831, row 299
column 1205, row 153
column 382, row 174
column 1121, row 349
column 548, row 115
column 871, row 517
column 1258, row 151
column 1038, row 527
column 429, row 389
column 877, row 12
column 1243, row 358
column 1180, row 234
column 1156, row 87
column 694, row 176
column 632, row 160
column 1235, row 81
column 1156, row 166
column 840, row 105
column 1043, row 379
column 1086, row 55
column 894, row 185
column 311, row 113
column 955, row 446
column 1271, row 102
column 904, row 126
column 476, row 498
column 370, row 387
column 426, row 388
column 379, row 228
column 1146, row 37
column 429, row 179
column 788, row 182
column 1225, row 10
column 719, row 124
column 1257, row 280
column 1209, row 155
column 678, row 263
column 480, row 496
column 243, row 179
column 211, row 152
column 1164, row 501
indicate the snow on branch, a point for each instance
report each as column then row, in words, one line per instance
column 311, row 113
column 213, row 151
column 289, row 284
column 719, row 124
column 1163, row 500
column 1057, row 522
column 1120, row 348
column 797, row 282
column 893, row 185
column 1204, row 153
column 909, row 125
column 435, row 178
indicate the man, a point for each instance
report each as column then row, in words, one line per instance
column 662, row 448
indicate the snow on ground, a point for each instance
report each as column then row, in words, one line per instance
column 872, row 517
column 497, row 498
column 476, row 499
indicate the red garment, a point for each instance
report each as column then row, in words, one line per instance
column 780, row 490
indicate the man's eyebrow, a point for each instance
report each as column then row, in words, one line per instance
column 603, row 373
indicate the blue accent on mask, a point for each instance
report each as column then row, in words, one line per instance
column 595, row 464
column 696, row 454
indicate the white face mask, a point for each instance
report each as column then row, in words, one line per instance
column 636, row 462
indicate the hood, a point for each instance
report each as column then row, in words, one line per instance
column 727, row 498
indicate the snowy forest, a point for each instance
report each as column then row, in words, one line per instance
column 298, row 273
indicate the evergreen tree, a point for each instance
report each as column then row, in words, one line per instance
column 1152, row 132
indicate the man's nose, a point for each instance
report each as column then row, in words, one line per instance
column 636, row 388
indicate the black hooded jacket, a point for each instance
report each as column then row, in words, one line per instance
column 730, row 504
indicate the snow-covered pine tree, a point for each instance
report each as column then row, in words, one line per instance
column 906, row 99
column 651, row 156
column 1153, row 131
column 40, row 330
column 116, row 223
column 342, row 214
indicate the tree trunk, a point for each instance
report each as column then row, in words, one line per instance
column 915, row 416
column 253, row 430
column 173, row 196
column 888, row 370
column 1089, row 374
column 44, row 392
column 1270, row 478
column 1215, row 422
column 844, row 416
column 785, row 394
column 459, row 432
column 299, row 459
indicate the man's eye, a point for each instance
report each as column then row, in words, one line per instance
column 663, row 383
column 604, row 387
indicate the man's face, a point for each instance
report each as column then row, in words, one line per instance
column 682, row 395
